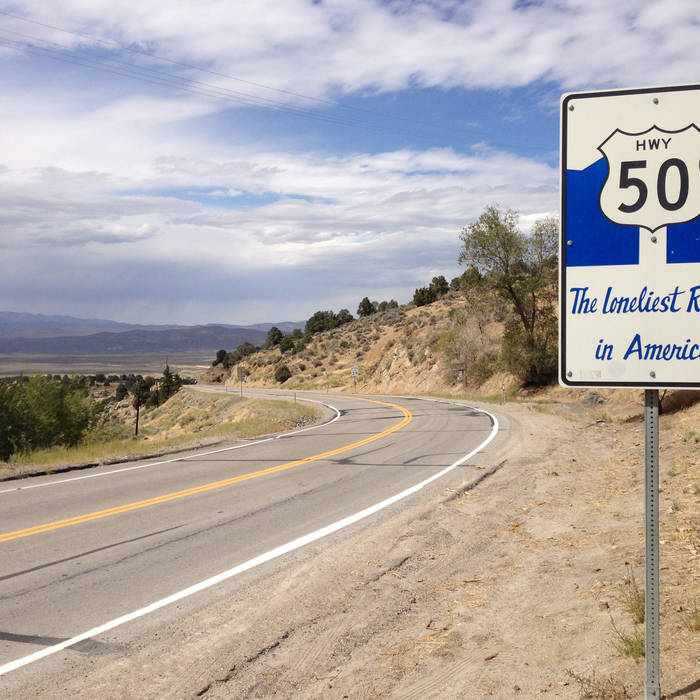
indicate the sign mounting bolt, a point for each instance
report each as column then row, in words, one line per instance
column 653, row 239
column 655, row 100
column 571, row 108
column 652, row 375
column 569, row 243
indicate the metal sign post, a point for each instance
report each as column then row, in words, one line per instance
column 652, row 689
column 355, row 371
column 630, row 267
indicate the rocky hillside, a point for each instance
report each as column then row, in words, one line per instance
column 404, row 350
column 432, row 349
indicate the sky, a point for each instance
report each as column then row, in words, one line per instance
column 222, row 161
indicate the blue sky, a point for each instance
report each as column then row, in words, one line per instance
column 238, row 162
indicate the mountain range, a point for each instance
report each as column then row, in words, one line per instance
column 41, row 334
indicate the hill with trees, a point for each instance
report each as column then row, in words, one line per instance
column 495, row 323
column 45, row 411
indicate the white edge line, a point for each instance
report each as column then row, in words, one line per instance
column 15, row 489
column 250, row 564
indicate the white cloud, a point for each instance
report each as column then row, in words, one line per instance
column 116, row 188
column 317, row 48
column 391, row 220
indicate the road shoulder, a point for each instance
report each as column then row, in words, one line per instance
column 503, row 589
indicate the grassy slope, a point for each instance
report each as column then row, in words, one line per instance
column 189, row 419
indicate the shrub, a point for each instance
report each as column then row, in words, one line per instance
column 282, row 373
column 423, row 296
column 286, row 344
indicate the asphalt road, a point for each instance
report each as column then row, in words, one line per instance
column 78, row 552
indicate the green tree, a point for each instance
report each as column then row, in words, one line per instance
column 466, row 281
column 342, row 317
column 387, row 305
column 522, row 271
column 440, row 286
column 220, row 357
column 242, row 351
column 274, row 338
column 6, row 421
column 42, row 411
column 170, row 384
column 319, row 322
column 366, row 307
column 287, row 344
column 423, row 296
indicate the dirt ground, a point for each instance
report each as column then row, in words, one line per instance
column 509, row 588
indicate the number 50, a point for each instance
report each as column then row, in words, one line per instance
column 627, row 181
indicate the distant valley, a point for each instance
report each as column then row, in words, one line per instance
column 27, row 326
column 34, row 336
column 135, row 341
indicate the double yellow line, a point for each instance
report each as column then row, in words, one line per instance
column 76, row 520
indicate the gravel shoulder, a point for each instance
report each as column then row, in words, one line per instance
column 508, row 588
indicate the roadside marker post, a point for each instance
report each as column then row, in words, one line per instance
column 240, row 379
column 629, row 292
column 355, row 372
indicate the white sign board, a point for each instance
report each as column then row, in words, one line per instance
column 630, row 238
column 355, row 371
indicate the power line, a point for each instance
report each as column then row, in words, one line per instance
column 161, row 78
column 166, row 79
column 114, row 44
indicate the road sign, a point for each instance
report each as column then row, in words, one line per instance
column 630, row 238
column 355, row 371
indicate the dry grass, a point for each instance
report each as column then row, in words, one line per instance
column 632, row 598
column 628, row 643
column 189, row 419
column 691, row 618
column 594, row 688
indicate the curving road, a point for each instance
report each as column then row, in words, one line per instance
column 90, row 551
